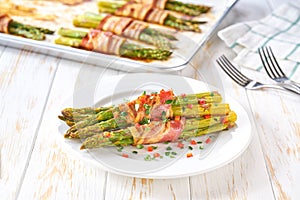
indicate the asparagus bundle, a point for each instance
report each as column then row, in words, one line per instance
column 126, row 27
column 148, row 13
column 204, row 112
column 108, row 43
column 177, row 6
column 9, row 26
column 156, row 132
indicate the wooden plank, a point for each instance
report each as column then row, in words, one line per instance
column 279, row 132
column 25, row 79
column 55, row 171
column 122, row 187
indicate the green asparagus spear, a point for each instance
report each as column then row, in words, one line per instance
column 27, row 31
column 82, row 128
column 187, row 8
column 107, row 6
column 192, row 128
column 73, row 38
column 200, row 98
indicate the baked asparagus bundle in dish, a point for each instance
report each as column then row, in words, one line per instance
column 151, row 118
column 126, row 27
column 10, row 26
column 177, row 6
column 148, row 13
column 109, row 43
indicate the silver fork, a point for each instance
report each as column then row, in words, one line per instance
column 273, row 69
column 243, row 80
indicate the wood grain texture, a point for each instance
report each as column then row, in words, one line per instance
column 24, row 86
column 55, row 171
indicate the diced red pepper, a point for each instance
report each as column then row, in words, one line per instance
column 177, row 118
column 193, row 142
column 208, row 140
column 207, row 116
column 225, row 120
column 201, row 101
column 156, row 155
column 165, row 95
column 180, row 145
column 125, row 155
column 190, row 106
column 149, row 148
column 189, row 155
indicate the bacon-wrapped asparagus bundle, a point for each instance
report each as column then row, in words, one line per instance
column 126, row 27
column 160, row 131
column 144, row 109
column 9, row 26
column 108, row 43
column 147, row 13
column 185, row 8
column 74, row 115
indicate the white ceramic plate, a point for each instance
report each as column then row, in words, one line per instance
column 224, row 147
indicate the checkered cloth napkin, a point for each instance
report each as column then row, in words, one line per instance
column 280, row 30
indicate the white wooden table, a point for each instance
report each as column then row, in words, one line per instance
column 33, row 165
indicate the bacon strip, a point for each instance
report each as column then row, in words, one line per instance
column 157, row 16
column 104, row 42
column 114, row 24
column 134, row 30
column 161, row 4
column 157, row 131
column 134, row 10
column 4, row 23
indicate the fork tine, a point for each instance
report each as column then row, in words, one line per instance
column 234, row 69
column 270, row 63
column 265, row 63
column 281, row 73
column 228, row 70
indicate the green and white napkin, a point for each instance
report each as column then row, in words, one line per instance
column 280, row 30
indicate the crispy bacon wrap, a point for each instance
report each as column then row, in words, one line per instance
column 152, row 106
column 4, row 23
column 122, row 26
column 114, row 24
column 161, row 4
column 157, row 131
column 143, row 12
column 104, row 42
column 134, row 10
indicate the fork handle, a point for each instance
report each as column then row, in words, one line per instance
column 295, row 84
column 290, row 87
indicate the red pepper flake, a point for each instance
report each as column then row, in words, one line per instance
column 225, row 120
column 205, row 106
column 190, row 106
column 202, row 101
column 106, row 134
column 156, row 155
column 189, row 155
column 149, row 148
column 124, row 155
column 193, row 142
column 207, row 116
column 177, row 118
column 208, row 140
column 180, row 145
